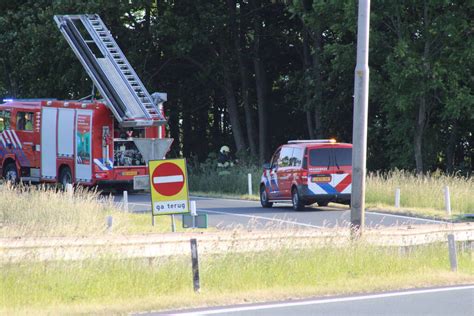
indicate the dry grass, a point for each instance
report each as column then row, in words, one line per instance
column 37, row 211
column 420, row 194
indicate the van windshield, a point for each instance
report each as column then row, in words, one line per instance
column 329, row 157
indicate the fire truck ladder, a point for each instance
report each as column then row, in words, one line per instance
column 110, row 71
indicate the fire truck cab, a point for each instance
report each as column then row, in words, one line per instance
column 70, row 142
column 86, row 142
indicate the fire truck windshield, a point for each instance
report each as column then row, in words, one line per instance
column 24, row 121
column 4, row 120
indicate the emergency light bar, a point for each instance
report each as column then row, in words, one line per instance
column 318, row 141
column 28, row 100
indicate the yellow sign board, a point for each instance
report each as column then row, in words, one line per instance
column 169, row 186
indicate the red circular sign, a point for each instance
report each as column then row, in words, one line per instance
column 168, row 179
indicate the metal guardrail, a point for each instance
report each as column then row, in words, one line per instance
column 175, row 244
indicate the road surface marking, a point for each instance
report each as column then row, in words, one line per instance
column 224, row 199
column 267, row 218
column 262, row 217
column 325, row 301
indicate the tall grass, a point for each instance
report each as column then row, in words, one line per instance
column 37, row 211
column 127, row 285
column 426, row 191
column 417, row 192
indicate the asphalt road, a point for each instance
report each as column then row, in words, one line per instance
column 228, row 214
column 453, row 301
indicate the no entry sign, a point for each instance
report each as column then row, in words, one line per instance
column 168, row 179
column 169, row 188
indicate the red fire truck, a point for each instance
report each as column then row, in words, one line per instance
column 87, row 142
column 69, row 142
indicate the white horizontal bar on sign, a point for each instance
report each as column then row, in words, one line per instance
column 168, row 179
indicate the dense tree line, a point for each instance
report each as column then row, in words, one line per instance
column 254, row 73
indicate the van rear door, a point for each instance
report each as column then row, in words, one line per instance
column 330, row 169
column 342, row 169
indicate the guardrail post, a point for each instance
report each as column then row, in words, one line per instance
column 249, row 179
column 453, row 258
column 447, row 200
column 195, row 264
column 397, row 198
column 125, row 201
column 470, row 246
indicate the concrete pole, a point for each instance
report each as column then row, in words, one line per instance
column 359, row 133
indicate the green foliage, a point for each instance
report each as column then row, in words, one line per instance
column 418, row 51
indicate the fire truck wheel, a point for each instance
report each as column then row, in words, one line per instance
column 11, row 173
column 298, row 205
column 264, row 197
column 65, row 177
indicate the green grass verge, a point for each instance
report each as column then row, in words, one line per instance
column 107, row 285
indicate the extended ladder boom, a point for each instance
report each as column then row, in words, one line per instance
column 110, row 71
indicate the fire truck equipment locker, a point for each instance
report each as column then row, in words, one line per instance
column 66, row 133
column 83, row 161
column 48, row 143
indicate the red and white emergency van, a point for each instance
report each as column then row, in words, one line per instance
column 70, row 142
column 304, row 172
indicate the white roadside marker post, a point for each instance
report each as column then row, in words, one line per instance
column 110, row 222
column 397, row 198
column 249, row 177
column 69, row 190
column 125, row 201
column 447, row 200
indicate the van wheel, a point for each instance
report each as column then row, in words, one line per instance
column 65, row 177
column 298, row 205
column 264, row 197
column 323, row 203
column 11, row 173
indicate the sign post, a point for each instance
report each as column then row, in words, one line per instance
column 169, row 187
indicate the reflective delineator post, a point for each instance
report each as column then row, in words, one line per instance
column 447, row 200
column 125, row 201
column 397, row 198
column 69, row 190
column 359, row 133
column 249, row 178
column 110, row 222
